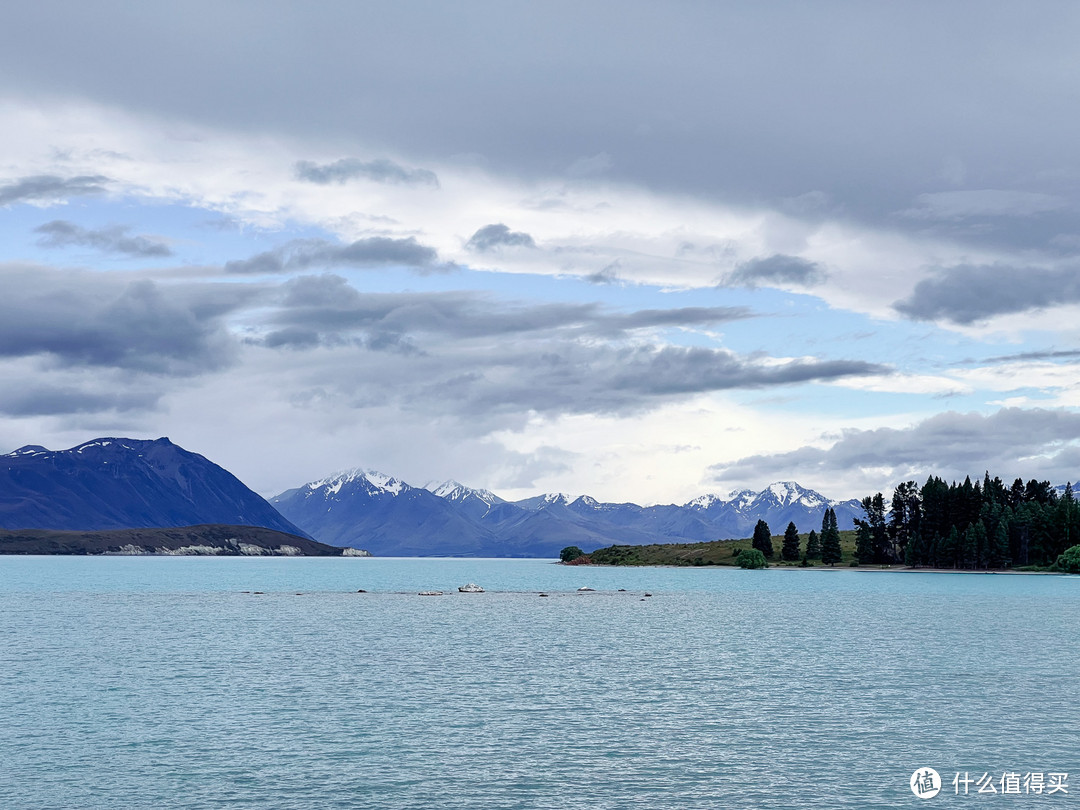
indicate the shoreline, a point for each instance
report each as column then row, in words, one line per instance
column 898, row 569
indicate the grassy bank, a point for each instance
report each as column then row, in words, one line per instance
column 717, row 552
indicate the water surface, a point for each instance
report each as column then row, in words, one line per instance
column 135, row 682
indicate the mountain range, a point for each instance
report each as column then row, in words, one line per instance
column 118, row 483
column 388, row 517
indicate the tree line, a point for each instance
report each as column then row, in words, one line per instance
column 824, row 547
column 974, row 525
column 985, row 524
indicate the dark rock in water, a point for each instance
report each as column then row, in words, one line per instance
column 648, row 594
column 543, row 594
column 361, row 591
column 622, row 590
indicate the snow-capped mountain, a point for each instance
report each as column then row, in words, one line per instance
column 375, row 511
column 371, row 510
column 778, row 504
column 473, row 502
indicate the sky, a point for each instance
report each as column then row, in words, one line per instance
column 641, row 251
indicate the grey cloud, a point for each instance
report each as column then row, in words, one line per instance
column 375, row 251
column 381, row 171
column 955, row 205
column 498, row 235
column 968, row 293
column 679, row 370
column 668, row 96
column 1065, row 354
column 60, row 233
column 468, row 354
column 37, row 399
column 949, row 444
column 685, row 316
column 608, row 275
column 589, row 166
column 555, row 374
column 49, row 188
column 330, row 305
column 86, row 319
column 777, row 269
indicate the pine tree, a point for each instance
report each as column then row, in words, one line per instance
column 813, row 546
column 872, row 544
column 830, row 538
column 905, row 520
column 864, row 542
column 974, row 539
column 763, row 539
column 948, row 549
column 999, row 547
column 916, row 553
column 790, row 550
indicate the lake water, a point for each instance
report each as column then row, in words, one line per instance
column 130, row 682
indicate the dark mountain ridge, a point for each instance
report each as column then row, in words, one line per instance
column 118, row 483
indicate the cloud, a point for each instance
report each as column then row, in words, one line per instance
column 79, row 319
column 989, row 202
column 682, row 370
column 471, row 355
column 60, row 233
column 37, row 399
column 327, row 304
column 590, row 166
column 1011, row 442
column 379, row 171
column 493, row 236
column 1049, row 354
column 374, row 251
column 777, row 269
column 965, row 294
column 51, row 188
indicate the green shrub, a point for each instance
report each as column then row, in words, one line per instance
column 1069, row 560
column 752, row 558
column 570, row 553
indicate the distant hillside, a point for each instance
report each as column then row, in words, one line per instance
column 115, row 483
column 188, row 540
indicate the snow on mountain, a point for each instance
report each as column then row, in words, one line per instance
column 788, row 493
column 546, row 500
column 703, row 502
column 376, row 481
column 372, row 510
column 452, row 490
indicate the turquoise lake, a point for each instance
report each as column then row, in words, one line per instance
column 155, row 682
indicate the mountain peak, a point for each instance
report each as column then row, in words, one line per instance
column 704, row 501
column 28, row 450
column 452, row 490
column 788, row 493
column 120, row 483
column 332, row 485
